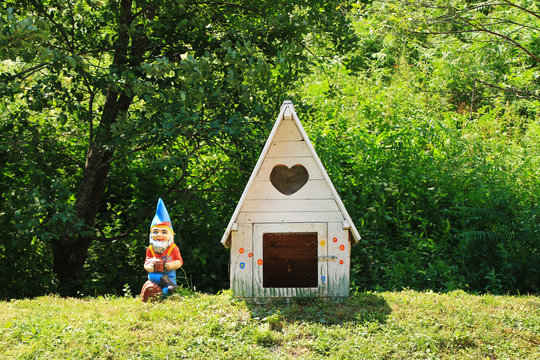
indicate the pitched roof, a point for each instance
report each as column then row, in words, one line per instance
column 287, row 113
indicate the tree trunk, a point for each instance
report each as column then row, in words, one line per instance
column 69, row 259
column 70, row 252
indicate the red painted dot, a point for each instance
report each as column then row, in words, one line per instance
column 334, row 239
column 341, row 262
column 259, row 261
column 250, row 254
column 241, row 251
column 341, row 247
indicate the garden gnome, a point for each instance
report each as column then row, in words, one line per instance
column 162, row 257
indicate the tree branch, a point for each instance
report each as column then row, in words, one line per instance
column 39, row 7
column 456, row 16
column 30, row 70
column 506, row 2
column 516, row 92
column 225, row 3
column 72, row 24
column 482, row 28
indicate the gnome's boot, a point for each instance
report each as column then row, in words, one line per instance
column 171, row 287
column 151, row 292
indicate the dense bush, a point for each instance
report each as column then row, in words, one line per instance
column 445, row 196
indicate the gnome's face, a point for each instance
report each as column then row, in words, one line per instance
column 161, row 233
column 161, row 237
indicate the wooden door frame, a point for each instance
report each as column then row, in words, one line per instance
column 322, row 237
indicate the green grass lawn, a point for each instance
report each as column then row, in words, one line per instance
column 397, row 325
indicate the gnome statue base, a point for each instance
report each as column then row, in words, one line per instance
column 162, row 257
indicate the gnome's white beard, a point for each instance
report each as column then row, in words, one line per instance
column 161, row 246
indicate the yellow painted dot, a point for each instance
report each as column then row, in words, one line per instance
column 323, row 243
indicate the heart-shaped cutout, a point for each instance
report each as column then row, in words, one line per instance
column 288, row 181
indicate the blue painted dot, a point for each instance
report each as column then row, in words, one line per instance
column 242, row 265
column 323, row 278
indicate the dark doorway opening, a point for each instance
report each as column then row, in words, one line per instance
column 290, row 260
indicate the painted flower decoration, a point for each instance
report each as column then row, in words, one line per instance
column 341, row 247
column 259, row 261
column 241, row 251
column 334, row 239
column 242, row 265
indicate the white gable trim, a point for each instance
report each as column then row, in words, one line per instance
column 287, row 111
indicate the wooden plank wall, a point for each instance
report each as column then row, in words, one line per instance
column 338, row 269
column 312, row 203
column 242, row 261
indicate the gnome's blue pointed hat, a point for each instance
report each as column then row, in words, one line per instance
column 162, row 216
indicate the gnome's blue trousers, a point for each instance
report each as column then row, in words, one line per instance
column 155, row 277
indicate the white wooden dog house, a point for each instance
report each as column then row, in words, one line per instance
column 290, row 235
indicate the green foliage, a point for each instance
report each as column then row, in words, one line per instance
column 369, row 325
column 429, row 129
column 445, row 196
column 108, row 105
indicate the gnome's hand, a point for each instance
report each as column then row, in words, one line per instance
column 173, row 265
column 149, row 265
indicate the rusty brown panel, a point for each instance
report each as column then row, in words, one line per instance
column 297, row 252
column 290, row 239
column 290, row 260
column 290, row 273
